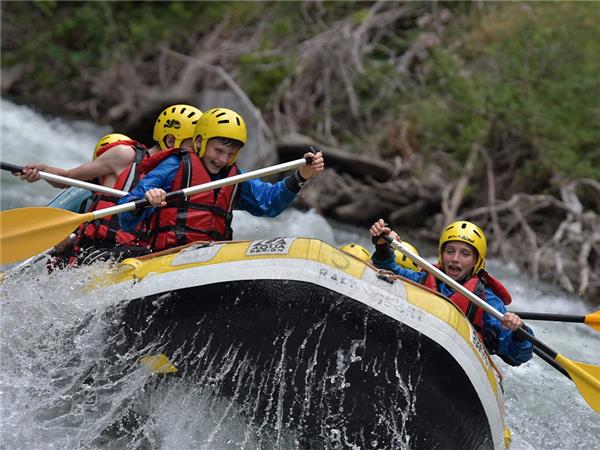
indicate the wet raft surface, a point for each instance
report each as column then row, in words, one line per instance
column 299, row 360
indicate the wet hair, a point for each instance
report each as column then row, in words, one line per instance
column 232, row 144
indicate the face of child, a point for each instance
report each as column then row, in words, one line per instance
column 217, row 156
column 458, row 260
column 187, row 144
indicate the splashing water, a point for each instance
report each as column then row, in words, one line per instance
column 27, row 137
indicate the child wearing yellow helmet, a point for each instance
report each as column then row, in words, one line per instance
column 218, row 137
column 403, row 260
column 104, row 143
column 358, row 251
column 104, row 168
column 462, row 251
column 115, row 163
column 174, row 127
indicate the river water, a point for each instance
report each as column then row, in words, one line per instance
column 45, row 403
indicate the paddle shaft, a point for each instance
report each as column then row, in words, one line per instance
column 184, row 193
column 591, row 319
column 68, row 181
column 520, row 332
column 550, row 317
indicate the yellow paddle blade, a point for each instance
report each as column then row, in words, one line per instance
column 586, row 377
column 593, row 320
column 25, row 232
column 157, row 364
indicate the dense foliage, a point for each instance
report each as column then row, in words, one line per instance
column 522, row 77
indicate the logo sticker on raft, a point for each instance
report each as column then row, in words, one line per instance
column 276, row 246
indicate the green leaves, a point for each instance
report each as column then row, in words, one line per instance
column 528, row 70
column 520, row 79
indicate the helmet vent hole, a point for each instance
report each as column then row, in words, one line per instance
column 464, row 225
column 223, row 121
column 237, row 119
column 478, row 235
column 222, row 114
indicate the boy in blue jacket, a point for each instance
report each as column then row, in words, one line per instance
column 218, row 138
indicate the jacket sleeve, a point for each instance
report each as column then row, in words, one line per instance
column 261, row 198
column 501, row 340
column 161, row 176
column 384, row 258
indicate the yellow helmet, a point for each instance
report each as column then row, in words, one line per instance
column 405, row 262
column 357, row 251
column 177, row 120
column 469, row 233
column 220, row 122
column 108, row 139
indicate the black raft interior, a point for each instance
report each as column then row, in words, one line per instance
column 300, row 360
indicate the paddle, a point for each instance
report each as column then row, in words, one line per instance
column 585, row 376
column 592, row 319
column 68, row 181
column 25, row 232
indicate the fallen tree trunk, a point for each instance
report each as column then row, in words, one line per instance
column 356, row 165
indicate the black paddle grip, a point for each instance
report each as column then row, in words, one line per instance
column 143, row 203
column 314, row 150
column 11, row 167
column 175, row 195
column 387, row 237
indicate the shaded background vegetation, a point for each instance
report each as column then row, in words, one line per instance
column 443, row 88
column 514, row 76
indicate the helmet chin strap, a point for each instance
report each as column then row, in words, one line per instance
column 465, row 278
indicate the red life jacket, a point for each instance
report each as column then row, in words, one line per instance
column 476, row 284
column 106, row 231
column 201, row 217
column 104, row 148
column 152, row 161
